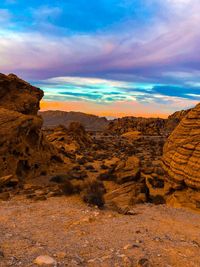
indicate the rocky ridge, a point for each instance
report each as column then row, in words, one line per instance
column 90, row 122
column 119, row 167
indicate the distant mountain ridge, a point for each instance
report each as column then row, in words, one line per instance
column 149, row 126
column 54, row 118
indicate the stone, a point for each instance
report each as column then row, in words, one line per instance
column 181, row 158
column 24, row 151
column 181, row 162
column 26, row 97
column 128, row 170
column 45, row 260
column 5, row 179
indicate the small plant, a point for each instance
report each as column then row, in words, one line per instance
column 67, row 188
column 93, row 192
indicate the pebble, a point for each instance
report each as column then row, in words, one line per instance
column 89, row 219
column 129, row 246
column 61, row 255
column 45, row 260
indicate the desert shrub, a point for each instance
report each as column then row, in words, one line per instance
column 60, row 178
column 93, row 192
column 67, row 188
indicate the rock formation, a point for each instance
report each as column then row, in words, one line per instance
column 146, row 126
column 24, row 151
column 18, row 95
column 71, row 139
column 182, row 151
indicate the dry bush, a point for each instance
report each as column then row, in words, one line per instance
column 93, row 192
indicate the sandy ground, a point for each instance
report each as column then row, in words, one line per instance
column 77, row 235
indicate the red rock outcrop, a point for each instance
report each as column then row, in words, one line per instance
column 24, row 151
column 181, row 158
column 18, row 95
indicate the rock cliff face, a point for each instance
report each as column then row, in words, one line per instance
column 71, row 139
column 182, row 151
column 24, row 151
column 18, row 95
column 146, row 126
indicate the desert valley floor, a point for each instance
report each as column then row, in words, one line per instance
column 76, row 235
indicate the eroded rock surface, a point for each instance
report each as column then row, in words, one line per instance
column 24, row 151
column 181, row 162
column 18, row 95
column 182, row 151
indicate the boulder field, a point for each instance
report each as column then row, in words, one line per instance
column 133, row 160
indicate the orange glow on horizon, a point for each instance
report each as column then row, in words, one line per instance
column 111, row 110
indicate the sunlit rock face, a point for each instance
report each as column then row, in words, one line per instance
column 18, row 95
column 24, row 151
column 181, row 158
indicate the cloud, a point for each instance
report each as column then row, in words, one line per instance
column 162, row 47
column 145, row 53
column 106, row 92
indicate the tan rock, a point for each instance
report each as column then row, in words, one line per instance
column 181, row 158
column 128, row 170
column 45, row 260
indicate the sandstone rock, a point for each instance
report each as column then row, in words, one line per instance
column 45, row 260
column 128, row 170
column 133, row 135
column 181, row 162
column 126, row 195
column 5, row 179
column 181, row 158
column 24, row 151
column 146, row 126
column 18, row 95
column 69, row 139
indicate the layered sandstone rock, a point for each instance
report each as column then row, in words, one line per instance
column 181, row 158
column 18, row 95
column 69, row 139
column 146, row 126
column 24, row 151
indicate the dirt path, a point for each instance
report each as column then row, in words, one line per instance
column 77, row 235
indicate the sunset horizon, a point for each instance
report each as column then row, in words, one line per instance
column 110, row 58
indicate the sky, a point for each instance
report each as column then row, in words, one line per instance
column 107, row 57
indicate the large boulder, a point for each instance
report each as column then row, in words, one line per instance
column 181, row 158
column 18, row 95
column 24, row 151
column 71, row 139
column 181, row 162
column 128, row 170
